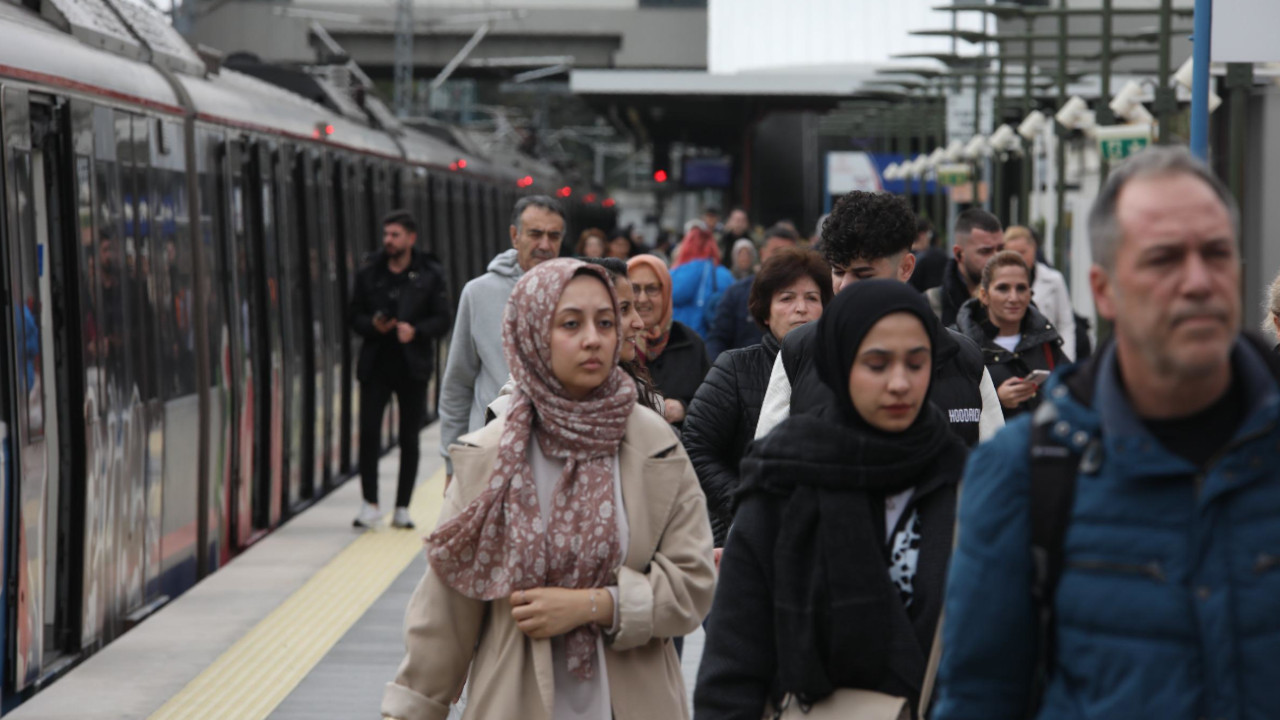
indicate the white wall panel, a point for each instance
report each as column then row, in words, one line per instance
column 769, row 34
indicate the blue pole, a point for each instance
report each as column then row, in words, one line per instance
column 1200, row 79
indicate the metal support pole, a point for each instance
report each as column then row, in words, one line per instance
column 1200, row 79
column 977, row 130
column 1028, row 147
column 1104, row 115
column 998, row 205
column 1239, row 85
column 404, row 58
column 1166, row 103
column 1060, row 238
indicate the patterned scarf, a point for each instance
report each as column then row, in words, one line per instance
column 498, row 544
column 656, row 337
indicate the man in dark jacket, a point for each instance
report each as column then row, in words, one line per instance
column 1161, row 574
column 979, row 236
column 399, row 306
column 869, row 235
column 734, row 327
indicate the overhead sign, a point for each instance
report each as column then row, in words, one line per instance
column 849, row 171
column 1244, row 31
column 952, row 174
column 960, row 109
column 1117, row 142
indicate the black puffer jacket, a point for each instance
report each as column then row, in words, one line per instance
column 419, row 298
column 722, row 421
column 955, row 384
column 1039, row 349
column 679, row 370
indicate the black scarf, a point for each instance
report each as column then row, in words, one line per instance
column 832, row 593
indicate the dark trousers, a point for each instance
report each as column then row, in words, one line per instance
column 374, row 396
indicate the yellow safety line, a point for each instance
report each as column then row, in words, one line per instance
column 256, row 674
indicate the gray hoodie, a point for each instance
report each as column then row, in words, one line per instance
column 477, row 367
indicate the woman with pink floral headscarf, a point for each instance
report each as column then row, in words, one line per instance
column 574, row 543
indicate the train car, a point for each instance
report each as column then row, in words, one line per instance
column 177, row 244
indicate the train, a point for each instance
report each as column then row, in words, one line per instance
column 178, row 239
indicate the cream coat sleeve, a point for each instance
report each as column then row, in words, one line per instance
column 777, row 399
column 442, row 628
column 673, row 595
column 992, row 418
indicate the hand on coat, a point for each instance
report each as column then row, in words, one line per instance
column 549, row 612
column 405, row 332
column 673, row 410
column 1015, row 391
column 383, row 324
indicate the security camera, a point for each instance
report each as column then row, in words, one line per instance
column 1035, row 124
column 1004, row 139
column 1126, row 102
column 936, row 158
column 955, row 151
column 1185, row 76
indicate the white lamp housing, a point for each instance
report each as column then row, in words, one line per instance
column 1004, row 139
column 891, row 172
column 977, row 148
column 936, row 158
column 1033, row 125
column 1129, row 97
column 955, row 151
column 1074, row 113
column 1139, row 115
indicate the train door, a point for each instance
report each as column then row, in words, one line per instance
column 292, row 303
column 314, row 336
column 335, row 312
column 39, row 627
column 265, row 279
column 346, row 343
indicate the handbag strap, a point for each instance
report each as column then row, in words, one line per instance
column 931, row 671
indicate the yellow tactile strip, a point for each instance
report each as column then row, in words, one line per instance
column 257, row 673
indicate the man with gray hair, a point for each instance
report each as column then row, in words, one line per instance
column 477, row 368
column 1119, row 551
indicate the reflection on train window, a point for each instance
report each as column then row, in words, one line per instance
column 28, row 315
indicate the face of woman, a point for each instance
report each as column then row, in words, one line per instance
column 630, row 325
column 619, row 248
column 650, row 302
column 793, row 306
column 594, row 247
column 891, row 372
column 1007, row 297
column 742, row 261
column 584, row 334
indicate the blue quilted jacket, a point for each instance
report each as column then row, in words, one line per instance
column 696, row 289
column 1168, row 605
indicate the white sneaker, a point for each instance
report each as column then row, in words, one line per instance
column 369, row 516
column 401, row 519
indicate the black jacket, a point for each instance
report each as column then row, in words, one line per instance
column 721, row 423
column 679, row 370
column 931, row 264
column 947, row 298
column 421, row 301
column 733, row 326
column 739, row 670
column 1039, row 349
column 955, row 380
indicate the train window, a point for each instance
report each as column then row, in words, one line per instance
column 175, row 280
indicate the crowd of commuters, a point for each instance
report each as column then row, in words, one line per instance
column 836, row 476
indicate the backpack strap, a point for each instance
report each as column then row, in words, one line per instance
column 1054, row 467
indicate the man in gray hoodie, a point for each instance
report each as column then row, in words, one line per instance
column 477, row 368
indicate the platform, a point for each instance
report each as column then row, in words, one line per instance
column 305, row 624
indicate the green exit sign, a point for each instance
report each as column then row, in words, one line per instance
column 952, row 174
column 1121, row 141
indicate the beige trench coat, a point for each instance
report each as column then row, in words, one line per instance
column 665, row 587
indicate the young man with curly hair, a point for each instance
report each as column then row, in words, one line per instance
column 869, row 235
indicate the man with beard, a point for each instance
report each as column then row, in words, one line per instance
column 399, row 305
column 477, row 368
column 979, row 237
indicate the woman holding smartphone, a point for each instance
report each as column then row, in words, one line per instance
column 1020, row 347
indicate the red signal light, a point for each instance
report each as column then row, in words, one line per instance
column 328, row 129
column 462, row 164
column 316, row 133
column 608, row 203
column 660, row 176
column 525, row 181
column 453, row 166
column 565, row 191
column 590, row 198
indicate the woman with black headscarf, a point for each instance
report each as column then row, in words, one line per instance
column 833, row 572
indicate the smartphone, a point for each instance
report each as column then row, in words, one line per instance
column 1037, row 376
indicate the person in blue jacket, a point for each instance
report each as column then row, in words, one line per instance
column 698, row 280
column 1166, row 599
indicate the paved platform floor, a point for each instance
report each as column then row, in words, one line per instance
column 305, row 624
